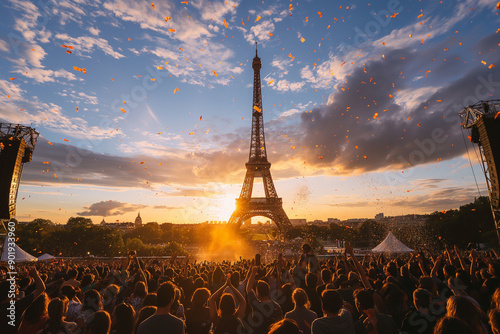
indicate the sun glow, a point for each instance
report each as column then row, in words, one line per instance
column 224, row 207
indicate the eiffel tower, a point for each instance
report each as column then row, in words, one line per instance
column 270, row 206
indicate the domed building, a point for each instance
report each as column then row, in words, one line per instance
column 138, row 220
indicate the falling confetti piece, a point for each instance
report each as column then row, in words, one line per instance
column 167, row 18
column 50, row 143
column 320, row 14
column 46, row 162
column 225, row 23
column 302, row 39
column 270, row 82
column 12, row 78
column 364, row 156
column 123, row 110
column 215, row 73
column 83, row 70
column 258, row 18
column 256, row 108
column 76, row 109
column 67, row 51
column 271, row 34
column 390, row 96
column 65, row 46
column 171, row 30
column 498, row 5
column 375, row 116
column 320, row 157
column 191, row 133
column 153, row 5
column 491, row 66
column 176, row 90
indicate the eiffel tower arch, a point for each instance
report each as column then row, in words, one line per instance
column 258, row 166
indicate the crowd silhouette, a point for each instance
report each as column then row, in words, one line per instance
column 455, row 291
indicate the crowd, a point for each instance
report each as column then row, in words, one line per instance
column 452, row 292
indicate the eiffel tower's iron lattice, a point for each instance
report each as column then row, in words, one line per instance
column 270, row 206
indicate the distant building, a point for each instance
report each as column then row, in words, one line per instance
column 298, row 222
column 138, row 220
column 333, row 220
column 122, row 227
column 379, row 216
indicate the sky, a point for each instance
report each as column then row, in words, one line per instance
column 146, row 107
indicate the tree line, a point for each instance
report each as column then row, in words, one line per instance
column 471, row 223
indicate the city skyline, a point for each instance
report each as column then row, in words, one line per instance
column 147, row 106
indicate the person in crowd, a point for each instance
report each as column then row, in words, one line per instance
column 262, row 306
column 145, row 313
column 450, row 325
column 35, row 315
column 227, row 319
column 19, row 304
column 420, row 320
column 370, row 320
column 123, row 319
column 162, row 319
column 91, row 303
column 137, row 298
column 56, row 323
column 285, row 326
column 74, row 304
column 301, row 313
column 336, row 319
column 462, row 308
column 99, row 323
column 198, row 316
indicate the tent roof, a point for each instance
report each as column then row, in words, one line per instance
column 391, row 244
column 20, row 254
column 46, row 257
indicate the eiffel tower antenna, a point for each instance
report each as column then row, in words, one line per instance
column 270, row 206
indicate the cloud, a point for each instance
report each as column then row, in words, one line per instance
column 42, row 75
column 87, row 44
column 260, row 32
column 115, row 208
column 94, row 31
column 363, row 129
column 215, row 10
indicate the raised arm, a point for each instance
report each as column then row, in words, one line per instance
column 40, row 285
column 251, row 280
column 359, row 268
column 212, row 301
column 241, row 300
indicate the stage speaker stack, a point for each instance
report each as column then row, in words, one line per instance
column 488, row 129
column 11, row 158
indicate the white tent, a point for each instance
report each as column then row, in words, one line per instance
column 46, row 257
column 391, row 244
column 19, row 255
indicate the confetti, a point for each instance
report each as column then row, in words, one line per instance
column 225, row 23
column 302, row 39
column 271, row 34
column 270, row 82
column 390, row 96
column 167, row 18
column 171, row 30
column 123, row 110
column 258, row 18
column 153, row 5
column 257, row 108
column 215, row 73
column 320, row 14
column 12, row 78
column 176, row 90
